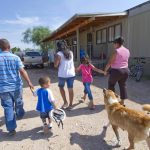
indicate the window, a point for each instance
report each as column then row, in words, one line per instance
column 111, row 33
column 104, row 36
column 114, row 31
column 89, row 38
column 74, row 47
column 101, row 36
column 32, row 54
column 98, row 37
column 118, row 30
column 74, row 41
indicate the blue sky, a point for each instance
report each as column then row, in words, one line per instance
column 18, row 15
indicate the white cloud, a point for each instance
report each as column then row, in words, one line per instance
column 57, row 22
column 23, row 21
column 15, row 38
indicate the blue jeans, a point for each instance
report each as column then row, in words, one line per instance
column 69, row 81
column 87, row 90
column 12, row 103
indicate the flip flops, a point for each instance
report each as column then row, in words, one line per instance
column 64, row 106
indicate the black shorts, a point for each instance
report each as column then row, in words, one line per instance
column 44, row 115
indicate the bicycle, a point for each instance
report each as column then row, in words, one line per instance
column 137, row 69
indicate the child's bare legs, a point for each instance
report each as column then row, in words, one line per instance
column 45, row 127
column 50, row 123
column 44, row 116
column 44, row 121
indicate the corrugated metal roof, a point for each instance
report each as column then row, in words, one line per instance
column 83, row 17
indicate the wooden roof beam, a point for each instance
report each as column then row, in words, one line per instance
column 86, row 22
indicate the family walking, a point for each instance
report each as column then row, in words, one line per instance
column 11, row 85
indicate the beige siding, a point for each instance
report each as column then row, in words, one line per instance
column 108, row 47
column 83, row 40
column 139, row 35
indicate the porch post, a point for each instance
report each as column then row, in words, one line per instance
column 78, row 46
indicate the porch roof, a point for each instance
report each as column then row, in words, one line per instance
column 82, row 22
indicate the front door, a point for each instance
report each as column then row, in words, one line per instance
column 90, row 45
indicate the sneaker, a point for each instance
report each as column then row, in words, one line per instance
column 45, row 129
column 11, row 133
column 50, row 126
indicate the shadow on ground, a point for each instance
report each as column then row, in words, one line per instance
column 84, row 110
column 138, row 92
column 89, row 142
column 33, row 134
column 28, row 114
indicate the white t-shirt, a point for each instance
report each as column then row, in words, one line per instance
column 50, row 94
column 66, row 67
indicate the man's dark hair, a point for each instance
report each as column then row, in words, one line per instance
column 65, row 50
column 43, row 80
column 4, row 44
column 119, row 41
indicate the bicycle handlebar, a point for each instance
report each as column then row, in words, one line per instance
column 139, row 58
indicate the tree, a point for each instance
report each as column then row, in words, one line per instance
column 36, row 35
column 15, row 49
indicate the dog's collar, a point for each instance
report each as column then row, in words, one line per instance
column 112, row 100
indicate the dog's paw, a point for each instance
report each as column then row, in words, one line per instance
column 104, row 139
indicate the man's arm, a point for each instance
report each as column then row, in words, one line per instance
column 24, row 74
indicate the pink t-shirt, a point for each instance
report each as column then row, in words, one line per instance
column 86, row 73
column 122, row 57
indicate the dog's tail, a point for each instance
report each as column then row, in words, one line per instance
column 146, row 107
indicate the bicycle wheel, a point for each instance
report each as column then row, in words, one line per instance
column 133, row 71
column 139, row 75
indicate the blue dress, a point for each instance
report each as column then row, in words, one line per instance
column 44, row 102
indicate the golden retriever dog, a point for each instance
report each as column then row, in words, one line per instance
column 146, row 107
column 137, row 124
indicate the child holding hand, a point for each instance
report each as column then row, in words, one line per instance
column 46, row 102
column 86, row 69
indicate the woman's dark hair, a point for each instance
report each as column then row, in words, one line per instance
column 119, row 41
column 63, row 47
column 85, row 60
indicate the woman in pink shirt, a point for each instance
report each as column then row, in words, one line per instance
column 87, row 78
column 119, row 68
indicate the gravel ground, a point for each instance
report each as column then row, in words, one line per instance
column 83, row 128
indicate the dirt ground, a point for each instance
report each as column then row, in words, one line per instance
column 83, row 128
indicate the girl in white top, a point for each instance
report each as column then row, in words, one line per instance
column 66, row 72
